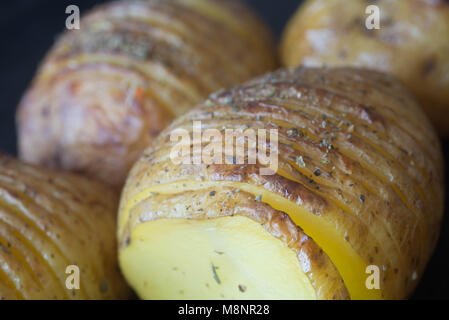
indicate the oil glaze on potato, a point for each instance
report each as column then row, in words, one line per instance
column 359, row 183
column 412, row 44
column 105, row 91
column 51, row 220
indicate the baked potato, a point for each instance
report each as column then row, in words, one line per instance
column 50, row 224
column 412, row 44
column 104, row 92
column 358, row 185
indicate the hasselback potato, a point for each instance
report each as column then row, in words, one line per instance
column 105, row 91
column 412, row 43
column 358, row 184
column 50, row 223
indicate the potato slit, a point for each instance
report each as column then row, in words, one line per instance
column 5, row 279
column 21, row 259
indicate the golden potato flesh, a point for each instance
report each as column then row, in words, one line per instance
column 359, row 183
column 412, row 44
column 234, row 248
column 104, row 92
column 50, row 221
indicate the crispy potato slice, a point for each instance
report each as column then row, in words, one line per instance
column 253, row 252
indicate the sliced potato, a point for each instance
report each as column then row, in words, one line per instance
column 55, row 227
column 359, row 176
column 104, row 92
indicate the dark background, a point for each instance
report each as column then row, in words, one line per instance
column 28, row 29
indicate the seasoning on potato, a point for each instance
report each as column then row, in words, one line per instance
column 412, row 43
column 104, row 92
column 52, row 226
column 358, row 187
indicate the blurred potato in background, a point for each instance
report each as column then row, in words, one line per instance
column 104, row 92
column 412, row 44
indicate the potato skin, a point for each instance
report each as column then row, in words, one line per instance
column 412, row 44
column 379, row 160
column 48, row 221
column 104, row 92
